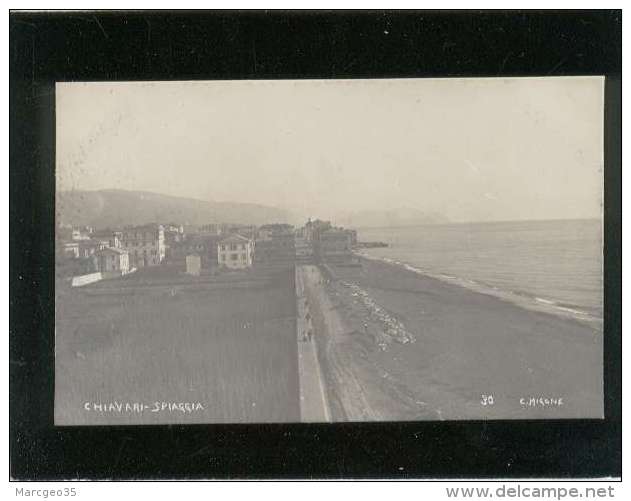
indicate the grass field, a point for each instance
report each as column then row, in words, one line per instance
column 225, row 347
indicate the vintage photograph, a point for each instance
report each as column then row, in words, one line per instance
column 263, row 251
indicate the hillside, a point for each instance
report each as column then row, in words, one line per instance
column 116, row 208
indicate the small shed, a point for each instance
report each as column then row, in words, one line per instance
column 193, row 264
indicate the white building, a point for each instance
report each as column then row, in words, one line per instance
column 235, row 252
column 71, row 249
column 109, row 238
column 193, row 264
column 145, row 245
column 304, row 248
column 111, row 259
column 81, row 233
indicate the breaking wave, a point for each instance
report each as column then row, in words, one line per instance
column 519, row 298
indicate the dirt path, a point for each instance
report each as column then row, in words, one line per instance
column 346, row 394
column 314, row 406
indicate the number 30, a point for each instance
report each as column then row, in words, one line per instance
column 487, row 400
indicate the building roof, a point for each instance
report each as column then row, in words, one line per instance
column 89, row 242
column 335, row 233
column 111, row 250
column 277, row 226
column 145, row 227
column 202, row 237
column 102, row 233
column 234, row 238
column 196, row 239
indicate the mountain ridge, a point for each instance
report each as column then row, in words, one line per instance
column 117, row 208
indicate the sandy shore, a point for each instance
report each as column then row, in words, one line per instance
column 403, row 346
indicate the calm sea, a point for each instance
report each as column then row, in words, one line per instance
column 550, row 265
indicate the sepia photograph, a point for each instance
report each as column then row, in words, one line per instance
column 360, row 250
column 333, row 246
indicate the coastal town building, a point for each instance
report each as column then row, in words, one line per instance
column 173, row 227
column 335, row 242
column 193, row 264
column 87, row 247
column 109, row 238
column 71, row 250
column 145, row 244
column 232, row 246
column 267, row 231
column 304, row 249
column 173, row 234
column 81, row 233
column 235, row 252
column 245, row 230
column 324, row 240
column 111, row 259
column 353, row 237
column 211, row 229
column 201, row 244
column 275, row 243
column 313, row 229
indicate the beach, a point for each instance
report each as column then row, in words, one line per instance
column 552, row 266
column 397, row 345
column 389, row 344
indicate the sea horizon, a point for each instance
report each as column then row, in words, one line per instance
column 551, row 265
column 494, row 221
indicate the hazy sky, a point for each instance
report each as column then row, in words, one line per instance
column 471, row 149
